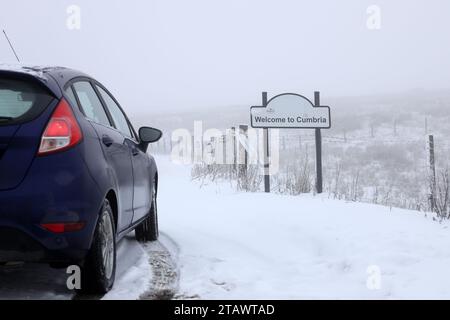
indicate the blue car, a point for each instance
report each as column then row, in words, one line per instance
column 75, row 176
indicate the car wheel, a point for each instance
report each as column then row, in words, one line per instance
column 148, row 230
column 99, row 269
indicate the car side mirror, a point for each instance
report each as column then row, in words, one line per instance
column 149, row 135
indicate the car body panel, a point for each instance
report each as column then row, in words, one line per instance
column 118, row 157
column 142, row 174
column 21, row 143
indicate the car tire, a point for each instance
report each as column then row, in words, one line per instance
column 99, row 268
column 148, row 230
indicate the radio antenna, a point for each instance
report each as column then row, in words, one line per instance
column 10, row 44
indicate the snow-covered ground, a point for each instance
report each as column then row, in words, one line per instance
column 240, row 245
column 230, row 245
column 133, row 274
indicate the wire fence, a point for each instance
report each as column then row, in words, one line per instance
column 387, row 170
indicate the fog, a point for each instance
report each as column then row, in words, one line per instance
column 180, row 55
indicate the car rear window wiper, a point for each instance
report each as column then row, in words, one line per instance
column 6, row 118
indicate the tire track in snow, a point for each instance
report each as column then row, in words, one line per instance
column 163, row 258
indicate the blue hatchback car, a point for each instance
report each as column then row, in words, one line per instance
column 75, row 177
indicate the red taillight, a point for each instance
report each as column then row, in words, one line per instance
column 63, row 227
column 62, row 131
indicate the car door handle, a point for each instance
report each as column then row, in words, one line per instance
column 134, row 151
column 107, row 141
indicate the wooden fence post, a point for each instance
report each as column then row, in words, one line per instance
column 243, row 157
column 432, row 173
column 234, row 143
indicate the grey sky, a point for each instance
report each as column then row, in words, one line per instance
column 155, row 55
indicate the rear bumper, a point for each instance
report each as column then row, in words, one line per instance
column 18, row 246
column 57, row 189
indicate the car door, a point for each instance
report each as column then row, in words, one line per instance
column 139, row 159
column 115, row 148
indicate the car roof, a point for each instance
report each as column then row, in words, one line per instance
column 53, row 77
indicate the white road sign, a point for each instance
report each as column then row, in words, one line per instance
column 290, row 110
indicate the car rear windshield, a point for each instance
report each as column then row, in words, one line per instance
column 21, row 101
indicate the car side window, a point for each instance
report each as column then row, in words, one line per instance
column 90, row 103
column 71, row 96
column 116, row 113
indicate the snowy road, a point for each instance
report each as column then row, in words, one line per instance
column 135, row 279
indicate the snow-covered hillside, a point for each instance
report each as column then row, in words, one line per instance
column 375, row 152
column 243, row 245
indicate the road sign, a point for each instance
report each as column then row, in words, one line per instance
column 290, row 110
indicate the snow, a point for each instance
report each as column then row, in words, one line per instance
column 133, row 274
column 36, row 71
column 262, row 246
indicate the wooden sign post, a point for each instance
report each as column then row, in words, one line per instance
column 266, row 150
column 319, row 177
